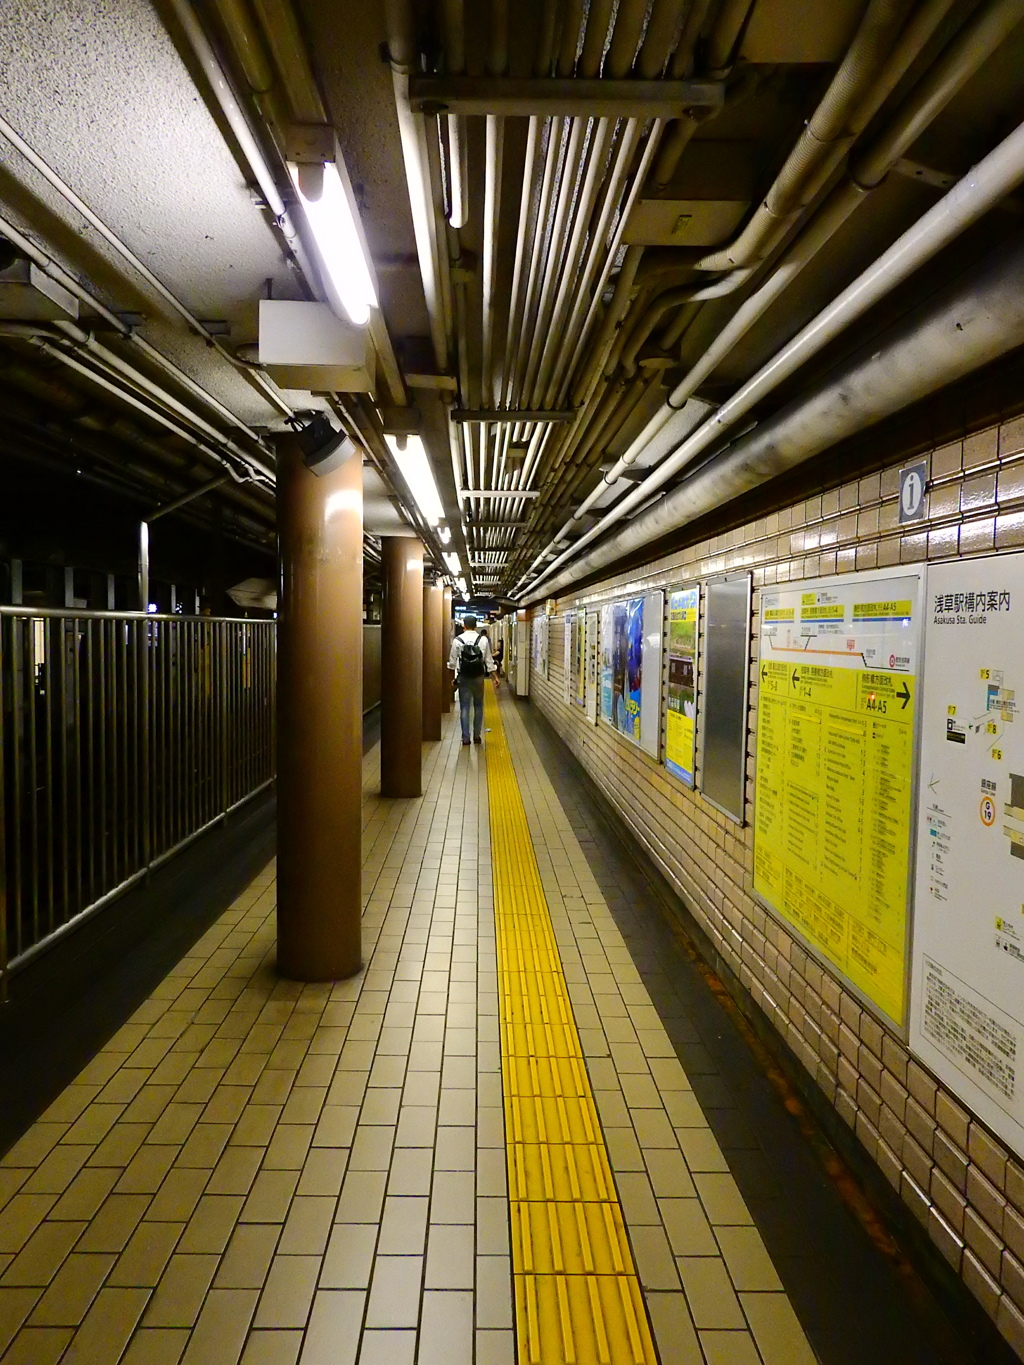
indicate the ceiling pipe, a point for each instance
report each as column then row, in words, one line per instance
column 569, row 275
column 547, row 35
column 866, row 77
column 726, row 32
column 455, row 64
column 431, row 250
column 963, row 57
column 599, row 262
column 629, row 25
column 56, row 272
column 598, row 18
column 681, row 65
column 856, row 93
column 996, row 176
column 584, row 395
column 553, row 256
column 497, row 61
column 56, row 338
column 95, row 376
column 663, row 27
column 969, row 325
column 537, row 255
column 572, row 345
column 49, row 388
column 87, row 342
column 494, row 148
column 279, row 23
column 514, row 328
column 569, row 47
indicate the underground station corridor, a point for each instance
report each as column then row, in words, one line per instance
column 511, row 619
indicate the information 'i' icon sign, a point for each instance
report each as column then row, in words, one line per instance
column 913, row 481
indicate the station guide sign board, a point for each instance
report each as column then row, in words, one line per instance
column 838, row 674
column 681, row 715
column 967, row 1022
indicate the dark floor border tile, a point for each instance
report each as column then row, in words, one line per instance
column 65, row 1005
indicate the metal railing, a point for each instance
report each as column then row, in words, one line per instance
column 122, row 737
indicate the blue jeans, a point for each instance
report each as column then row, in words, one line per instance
column 471, row 690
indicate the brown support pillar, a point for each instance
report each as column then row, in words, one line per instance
column 447, row 677
column 433, row 605
column 401, row 691
column 319, row 718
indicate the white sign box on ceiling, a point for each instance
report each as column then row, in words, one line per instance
column 967, row 1017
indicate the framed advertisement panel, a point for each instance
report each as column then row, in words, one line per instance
column 967, row 1013
column 725, row 671
column 630, row 668
column 838, row 673
column 567, row 657
column 681, row 709
column 540, row 646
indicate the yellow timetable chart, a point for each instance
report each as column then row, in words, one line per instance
column 837, row 683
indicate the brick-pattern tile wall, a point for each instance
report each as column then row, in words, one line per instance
column 957, row 1179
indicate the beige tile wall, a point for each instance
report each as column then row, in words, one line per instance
column 958, row 1180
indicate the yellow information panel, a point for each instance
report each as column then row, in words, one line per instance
column 838, row 675
column 680, row 719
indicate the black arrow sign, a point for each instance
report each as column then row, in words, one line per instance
column 905, row 694
column 796, row 677
column 764, row 672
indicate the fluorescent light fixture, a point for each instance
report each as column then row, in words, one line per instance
column 416, row 471
column 332, row 220
column 454, row 562
column 444, row 534
column 460, row 583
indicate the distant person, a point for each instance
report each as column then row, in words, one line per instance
column 471, row 662
column 499, row 658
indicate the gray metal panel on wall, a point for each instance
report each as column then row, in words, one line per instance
column 590, row 657
column 726, row 681
column 650, row 699
column 522, row 664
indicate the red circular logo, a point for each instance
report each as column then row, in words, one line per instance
column 892, row 660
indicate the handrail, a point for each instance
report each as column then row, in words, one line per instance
column 123, row 736
column 88, row 614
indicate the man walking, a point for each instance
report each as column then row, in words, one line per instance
column 471, row 662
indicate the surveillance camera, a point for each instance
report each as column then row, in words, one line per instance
column 323, row 449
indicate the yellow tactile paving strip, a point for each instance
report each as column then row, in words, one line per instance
column 578, row 1297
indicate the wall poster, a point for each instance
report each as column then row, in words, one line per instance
column 838, row 672
column 967, row 1021
column 631, row 650
column 540, row 645
column 681, row 715
column 591, row 647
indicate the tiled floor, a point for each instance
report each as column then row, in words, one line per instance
column 258, row 1171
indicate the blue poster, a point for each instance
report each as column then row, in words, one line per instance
column 633, row 687
column 622, row 644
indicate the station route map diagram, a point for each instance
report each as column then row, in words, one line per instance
column 967, row 1020
column 838, row 670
